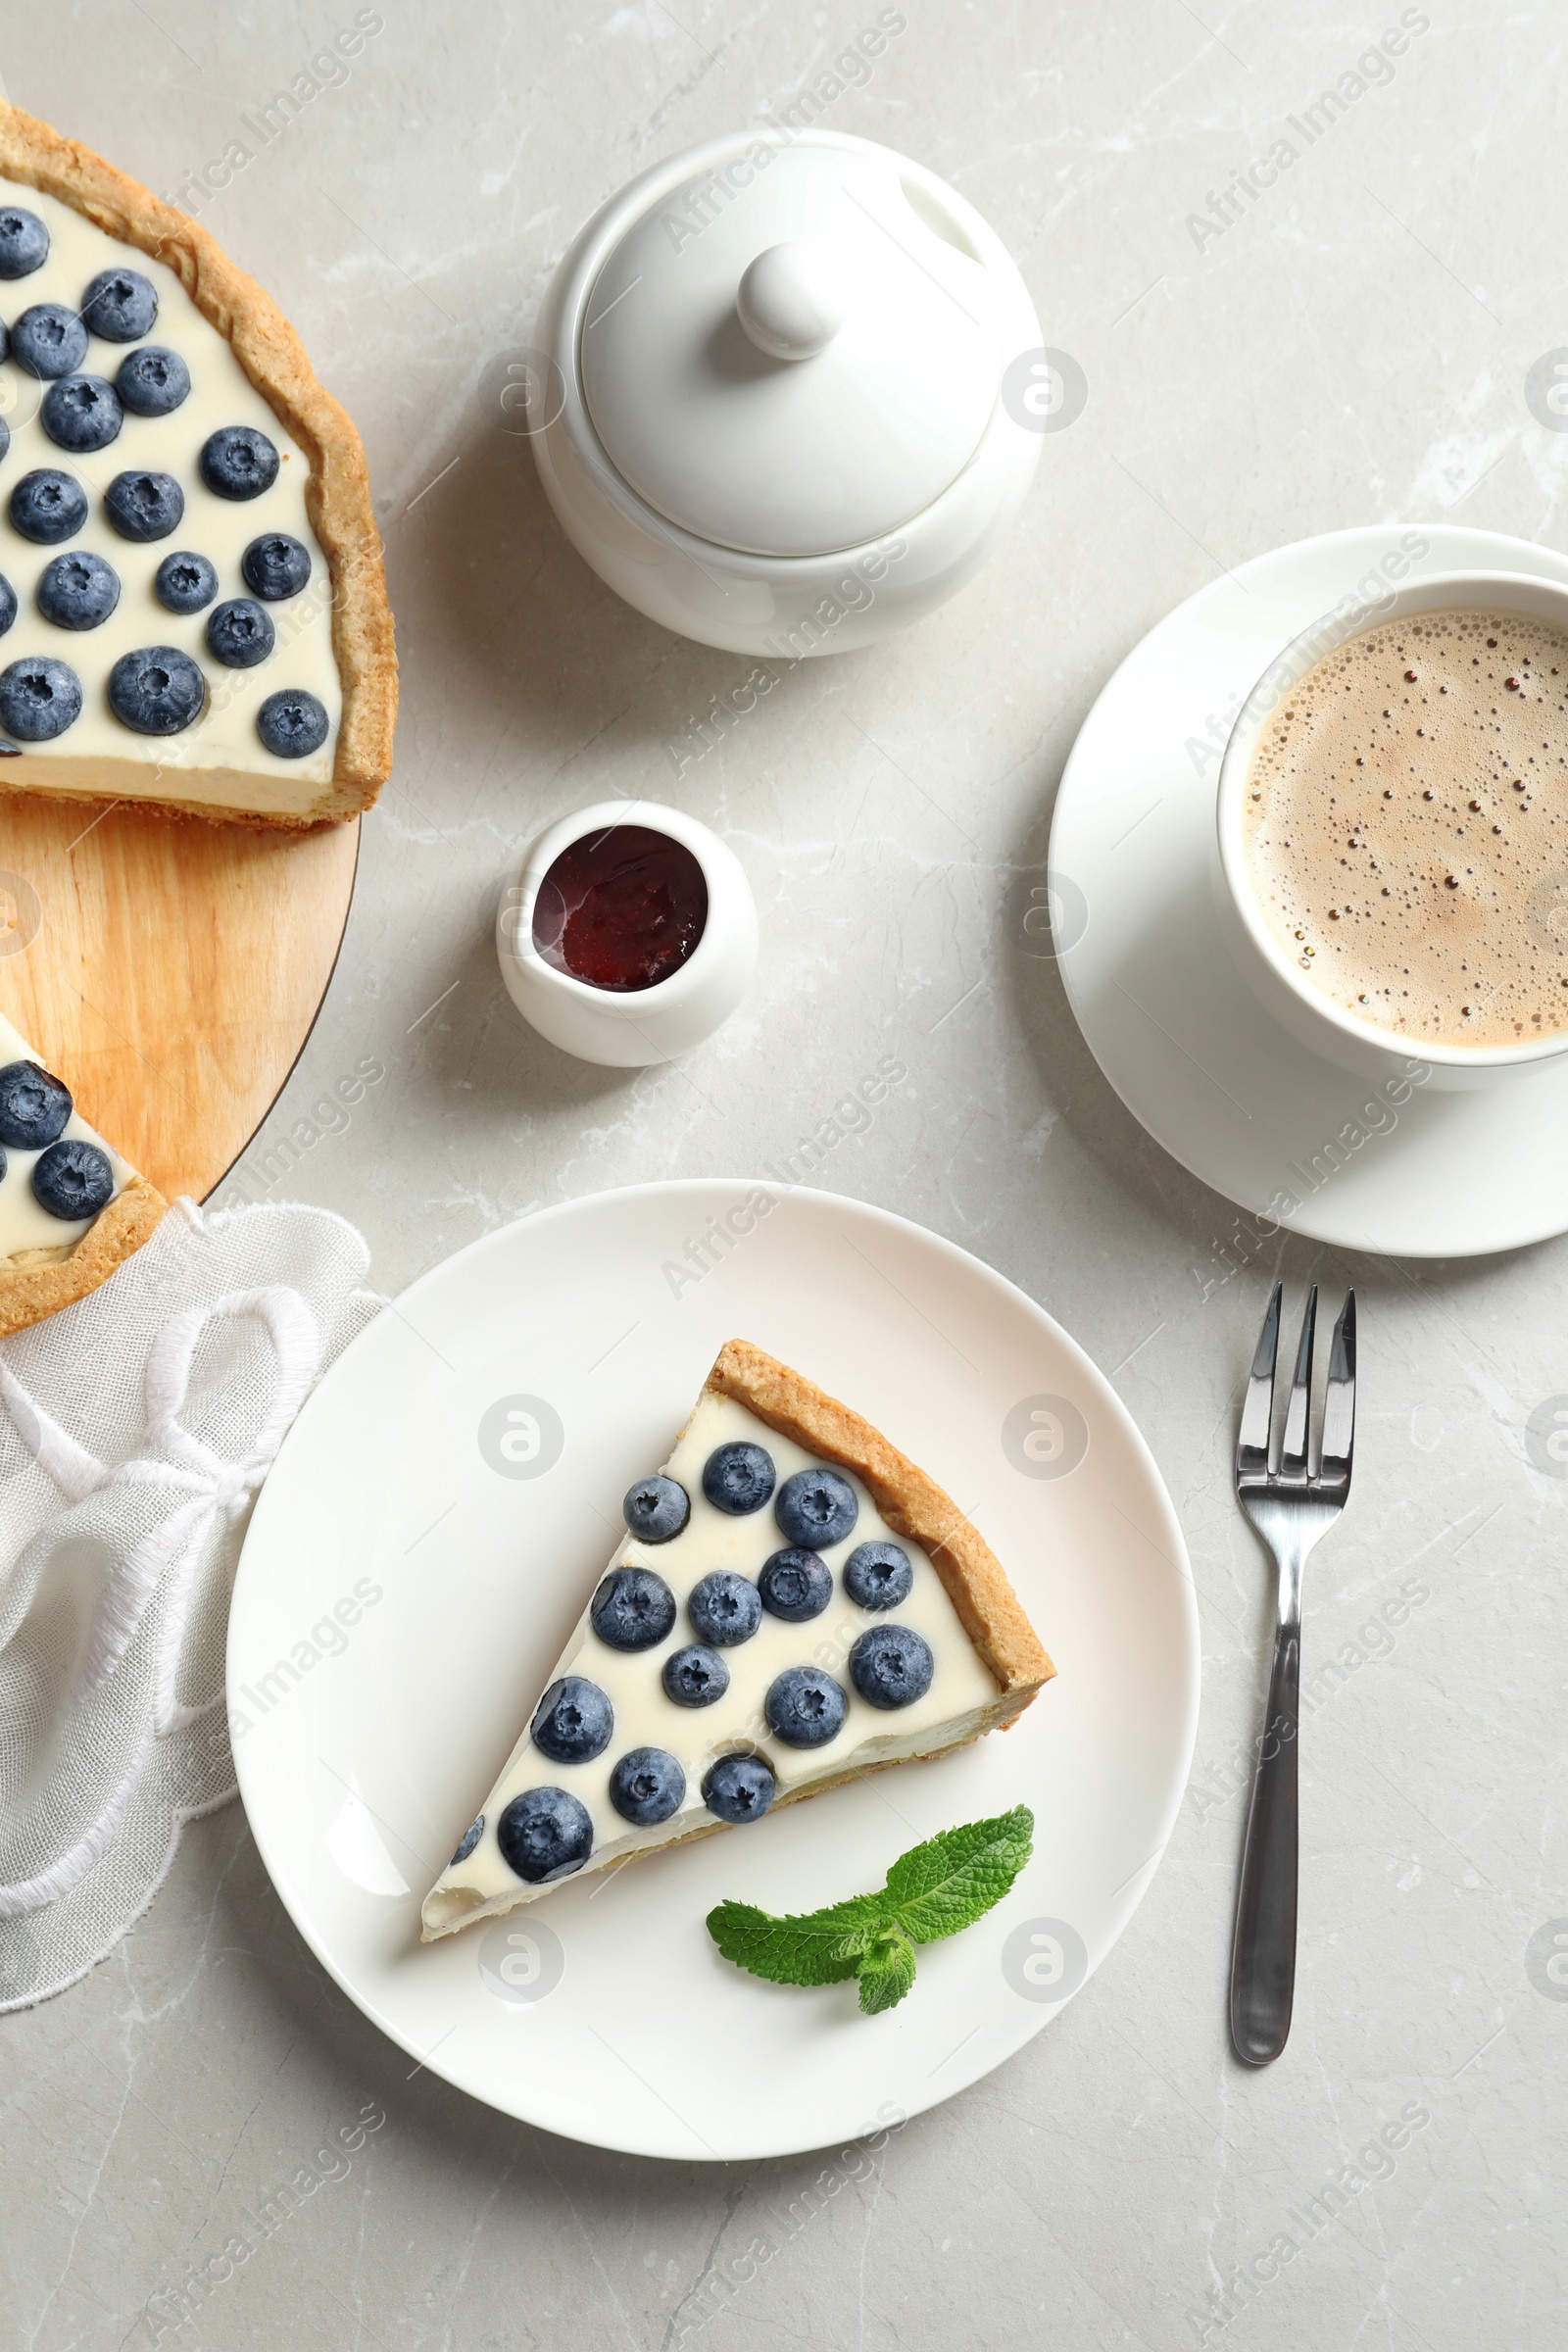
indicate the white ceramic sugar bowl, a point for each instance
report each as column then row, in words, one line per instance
column 769, row 397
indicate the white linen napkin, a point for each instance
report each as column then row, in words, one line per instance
column 136, row 1429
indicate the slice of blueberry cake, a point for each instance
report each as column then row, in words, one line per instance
column 793, row 1604
column 192, row 605
column 71, row 1209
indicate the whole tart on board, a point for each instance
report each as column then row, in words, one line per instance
column 330, row 655
column 47, row 1256
column 791, row 1679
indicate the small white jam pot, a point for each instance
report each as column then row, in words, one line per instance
column 634, row 1027
column 767, row 400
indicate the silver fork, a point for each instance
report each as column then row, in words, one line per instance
column 1290, row 1507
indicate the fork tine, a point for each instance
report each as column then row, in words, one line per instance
column 1294, row 1452
column 1251, row 1444
column 1338, row 1411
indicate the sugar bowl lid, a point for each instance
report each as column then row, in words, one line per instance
column 800, row 350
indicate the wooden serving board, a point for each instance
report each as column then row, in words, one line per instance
column 169, row 970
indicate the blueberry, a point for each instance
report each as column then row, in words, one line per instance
column 239, row 634
column 725, row 1608
column 23, row 242
column 695, row 1677
column 156, row 690
column 469, row 1839
column 7, row 604
column 545, row 1833
column 573, row 1721
column 647, row 1787
column 891, row 1666
column 739, row 1788
column 120, row 305
column 144, row 506
column 238, row 462
column 655, row 1509
column 47, row 506
column 632, row 1609
column 275, row 566
column 185, row 583
column 82, row 414
column 291, row 723
column 33, row 1107
column 73, row 1179
column 38, row 699
column 878, row 1576
column 5, row 430
column 738, row 1477
column 795, row 1585
column 48, row 341
column 77, row 591
column 816, row 1507
column 805, row 1707
column 152, row 381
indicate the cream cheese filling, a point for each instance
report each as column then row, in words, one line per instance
column 109, row 757
column 961, row 1697
column 24, row 1225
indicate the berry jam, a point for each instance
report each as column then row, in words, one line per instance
column 620, row 910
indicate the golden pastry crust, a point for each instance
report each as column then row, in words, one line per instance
column 912, row 1504
column 30, row 1289
column 338, row 494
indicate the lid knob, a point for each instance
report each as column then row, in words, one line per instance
column 791, row 301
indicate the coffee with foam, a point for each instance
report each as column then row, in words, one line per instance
column 1406, row 824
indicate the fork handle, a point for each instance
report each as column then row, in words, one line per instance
column 1264, row 1955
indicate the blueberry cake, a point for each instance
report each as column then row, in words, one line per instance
column 71, row 1209
column 794, row 1603
column 192, row 605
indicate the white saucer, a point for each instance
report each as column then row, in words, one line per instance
column 450, row 1493
column 1168, row 1015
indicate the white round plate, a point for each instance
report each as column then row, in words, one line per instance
column 1291, row 1138
column 605, row 2011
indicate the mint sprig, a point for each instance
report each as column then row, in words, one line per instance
column 933, row 1891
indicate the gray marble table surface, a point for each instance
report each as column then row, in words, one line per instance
column 1351, row 343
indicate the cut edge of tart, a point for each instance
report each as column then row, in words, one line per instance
column 337, row 494
column 43, row 1274
column 34, row 1283
column 1012, row 1665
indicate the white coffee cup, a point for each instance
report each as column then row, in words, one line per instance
column 631, row 1028
column 1280, row 985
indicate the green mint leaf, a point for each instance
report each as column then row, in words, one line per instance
column 887, row 1971
column 816, row 1950
column 933, row 1891
column 956, row 1877
column 857, row 1914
